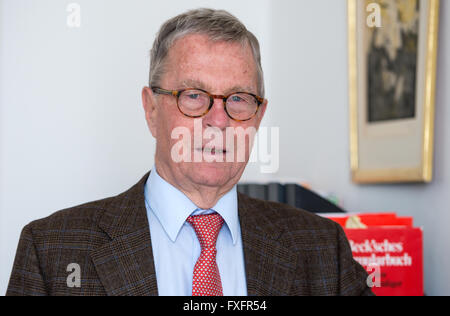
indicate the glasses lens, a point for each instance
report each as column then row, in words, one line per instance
column 194, row 102
column 242, row 106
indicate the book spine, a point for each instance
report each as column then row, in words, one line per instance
column 276, row 192
column 242, row 188
column 290, row 194
column 257, row 191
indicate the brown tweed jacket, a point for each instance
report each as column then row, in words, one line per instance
column 287, row 251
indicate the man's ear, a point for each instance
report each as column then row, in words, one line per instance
column 151, row 111
column 263, row 108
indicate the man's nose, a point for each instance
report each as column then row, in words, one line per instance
column 217, row 117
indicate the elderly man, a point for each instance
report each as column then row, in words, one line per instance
column 183, row 229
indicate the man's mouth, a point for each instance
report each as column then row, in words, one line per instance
column 212, row 151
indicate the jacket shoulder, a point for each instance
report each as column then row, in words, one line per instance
column 82, row 217
column 298, row 229
column 284, row 215
column 325, row 263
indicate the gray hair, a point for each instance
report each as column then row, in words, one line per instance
column 218, row 25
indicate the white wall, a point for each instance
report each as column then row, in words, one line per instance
column 72, row 129
column 309, row 56
column 72, row 124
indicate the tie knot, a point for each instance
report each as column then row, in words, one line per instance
column 206, row 228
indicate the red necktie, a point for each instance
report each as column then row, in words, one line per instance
column 206, row 279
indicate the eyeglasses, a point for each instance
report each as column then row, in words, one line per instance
column 195, row 103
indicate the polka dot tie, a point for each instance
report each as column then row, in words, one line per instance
column 206, row 280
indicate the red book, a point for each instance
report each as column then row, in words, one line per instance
column 396, row 253
column 390, row 249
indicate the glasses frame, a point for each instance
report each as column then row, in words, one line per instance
column 212, row 97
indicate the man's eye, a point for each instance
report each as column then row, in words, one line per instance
column 194, row 96
column 236, row 98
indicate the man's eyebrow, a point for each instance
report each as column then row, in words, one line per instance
column 240, row 89
column 192, row 83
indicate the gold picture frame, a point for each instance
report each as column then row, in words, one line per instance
column 386, row 147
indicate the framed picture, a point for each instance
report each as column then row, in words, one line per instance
column 392, row 71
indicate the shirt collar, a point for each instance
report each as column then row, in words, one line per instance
column 172, row 207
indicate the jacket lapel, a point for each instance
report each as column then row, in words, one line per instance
column 125, row 264
column 270, row 266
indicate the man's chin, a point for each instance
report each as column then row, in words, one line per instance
column 210, row 174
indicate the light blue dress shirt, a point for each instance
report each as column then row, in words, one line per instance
column 176, row 247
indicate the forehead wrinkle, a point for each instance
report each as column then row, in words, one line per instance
column 181, row 63
column 192, row 83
